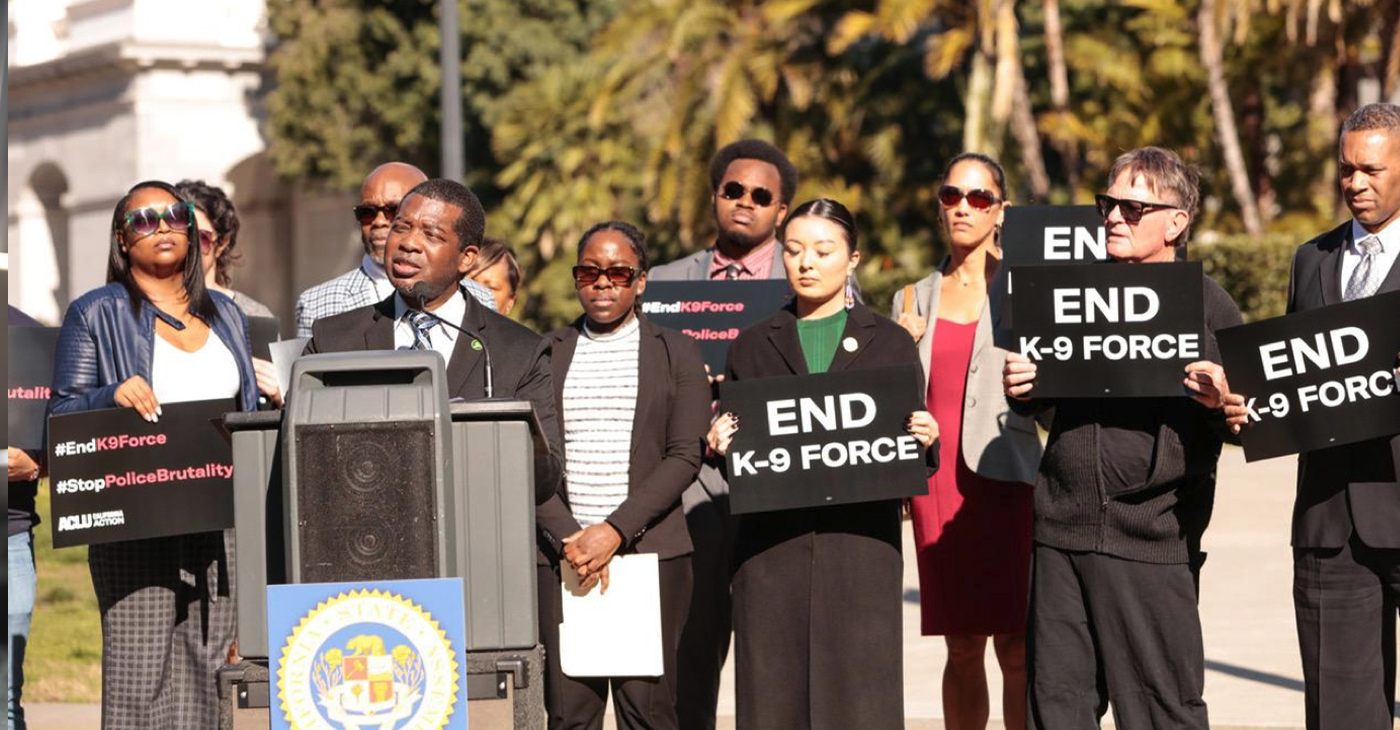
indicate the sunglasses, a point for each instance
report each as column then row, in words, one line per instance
column 762, row 197
column 366, row 214
column 618, row 275
column 1133, row 210
column 145, row 221
column 979, row 199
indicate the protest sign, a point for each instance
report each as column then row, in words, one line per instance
column 1110, row 330
column 713, row 312
column 1320, row 378
column 813, row 440
column 262, row 332
column 30, row 360
column 1036, row 235
column 116, row 476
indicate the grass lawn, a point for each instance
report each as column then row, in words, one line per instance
column 64, row 662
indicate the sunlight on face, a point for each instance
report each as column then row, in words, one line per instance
column 818, row 259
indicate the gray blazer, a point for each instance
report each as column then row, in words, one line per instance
column 996, row 443
column 696, row 267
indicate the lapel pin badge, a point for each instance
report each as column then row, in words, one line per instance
column 476, row 345
column 849, row 344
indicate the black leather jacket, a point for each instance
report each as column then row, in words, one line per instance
column 103, row 343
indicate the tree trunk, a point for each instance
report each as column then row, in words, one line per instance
column 1059, row 94
column 976, row 103
column 1028, row 138
column 1213, row 58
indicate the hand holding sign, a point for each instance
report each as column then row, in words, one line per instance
column 1207, row 383
column 136, row 393
column 722, row 433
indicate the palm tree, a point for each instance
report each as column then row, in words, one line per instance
column 1212, row 57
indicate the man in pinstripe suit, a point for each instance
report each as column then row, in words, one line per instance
column 368, row 284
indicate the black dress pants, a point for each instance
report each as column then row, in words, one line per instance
column 639, row 703
column 1345, row 602
column 709, row 623
column 1107, row 630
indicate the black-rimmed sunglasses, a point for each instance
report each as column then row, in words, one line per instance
column 366, row 214
column 980, row 199
column 762, row 197
column 1133, row 210
column 618, row 275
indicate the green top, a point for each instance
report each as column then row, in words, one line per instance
column 819, row 339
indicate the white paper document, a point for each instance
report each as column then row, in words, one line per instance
column 618, row 633
column 284, row 354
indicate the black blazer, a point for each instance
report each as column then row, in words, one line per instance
column 519, row 360
column 668, row 432
column 1353, row 486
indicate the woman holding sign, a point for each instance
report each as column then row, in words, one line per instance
column 635, row 403
column 155, row 334
column 817, row 591
column 972, row 530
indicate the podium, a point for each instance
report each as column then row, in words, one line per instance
column 336, row 488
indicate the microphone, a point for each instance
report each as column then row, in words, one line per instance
column 419, row 294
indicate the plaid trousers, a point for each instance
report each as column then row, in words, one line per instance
column 168, row 617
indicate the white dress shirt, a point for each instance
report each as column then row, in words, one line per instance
column 1385, row 260
column 378, row 277
column 440, row 337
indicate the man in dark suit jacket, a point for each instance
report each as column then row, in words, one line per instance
column 433, row 242
column 1346, row 520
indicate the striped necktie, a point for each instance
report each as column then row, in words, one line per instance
column 1366, row 277
column 421, row 323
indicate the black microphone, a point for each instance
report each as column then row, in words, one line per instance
column 419, row 293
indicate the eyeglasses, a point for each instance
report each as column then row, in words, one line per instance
column 366, row 214
column 618, row 275
column 206, row 240
column 1133, row 210
column 145, row 221
column 762, row 197
column 979, row 199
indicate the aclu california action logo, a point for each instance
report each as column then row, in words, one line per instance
column 367, row 660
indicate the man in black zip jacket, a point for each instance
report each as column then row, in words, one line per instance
column 1123, row 495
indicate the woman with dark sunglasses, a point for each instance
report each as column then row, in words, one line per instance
column 635, row 403
column 154, row 334
column 972, row 531
column 818, row 591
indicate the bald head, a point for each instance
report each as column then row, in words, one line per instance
column 380, row 194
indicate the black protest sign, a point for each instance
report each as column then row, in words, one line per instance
column 262, row 332
column 1314, row 379
column 814, row 440
column 115, row 476
column 713, row 312
column 30, row 361
column 1110, row 330
column 1052, row 234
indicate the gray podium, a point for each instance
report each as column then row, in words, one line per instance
column 371, row 473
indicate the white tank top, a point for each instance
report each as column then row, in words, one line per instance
column 208, row 373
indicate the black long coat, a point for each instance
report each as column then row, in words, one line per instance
column 817, row 592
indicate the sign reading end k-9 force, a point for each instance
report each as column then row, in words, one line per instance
column 1110, row 330
column 814, row 440
column 1315, row 379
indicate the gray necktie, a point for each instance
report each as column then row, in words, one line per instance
column 1366, row 277
column 421, row 323
column 731, row 272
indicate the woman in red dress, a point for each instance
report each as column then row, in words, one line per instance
column 973, row 529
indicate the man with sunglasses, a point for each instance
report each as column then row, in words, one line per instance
column 751, row 183
column 434, row 240
column 1122, row 497
column 1346, row 517
column 380, row 195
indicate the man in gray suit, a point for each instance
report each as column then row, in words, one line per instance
column 752, row 184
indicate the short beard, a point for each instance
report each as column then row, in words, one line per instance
column 743, row 240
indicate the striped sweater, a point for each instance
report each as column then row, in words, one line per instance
column 600, row 400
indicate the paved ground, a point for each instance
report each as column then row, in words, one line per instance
column 1253, row 678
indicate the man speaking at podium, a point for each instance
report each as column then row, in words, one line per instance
column 433, row 241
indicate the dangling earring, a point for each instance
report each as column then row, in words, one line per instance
column 850, row 293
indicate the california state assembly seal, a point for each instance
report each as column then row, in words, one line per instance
column 367, row 660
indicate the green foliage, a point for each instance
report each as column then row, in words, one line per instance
column 579, row 111
column 63, row 661
column 1254, row 272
